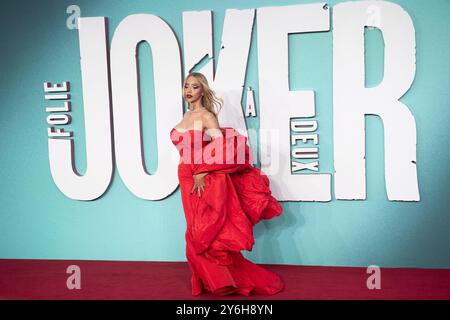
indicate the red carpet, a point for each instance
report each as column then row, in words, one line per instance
column 46, row 279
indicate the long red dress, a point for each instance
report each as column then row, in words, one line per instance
column 220, row 222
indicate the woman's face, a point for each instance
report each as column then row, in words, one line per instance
column 192, row 90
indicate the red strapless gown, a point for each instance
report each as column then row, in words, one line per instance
column 220, row 222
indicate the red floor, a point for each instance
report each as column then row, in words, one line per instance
column 46, row 279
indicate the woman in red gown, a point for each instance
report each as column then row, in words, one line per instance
column 223, row 197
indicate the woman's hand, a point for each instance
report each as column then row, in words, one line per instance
column 199, row 182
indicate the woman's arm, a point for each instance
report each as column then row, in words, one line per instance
column 211, row 125
column 212, row 129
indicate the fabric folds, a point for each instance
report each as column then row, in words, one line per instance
column 220, row 222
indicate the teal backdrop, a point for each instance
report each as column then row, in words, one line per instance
column 37, row 221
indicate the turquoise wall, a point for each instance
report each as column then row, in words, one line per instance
column 37, row 221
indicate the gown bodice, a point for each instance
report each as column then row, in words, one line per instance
column 189, row 144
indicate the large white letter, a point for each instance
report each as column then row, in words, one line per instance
column 97, row 117
column 352, row 101
column 168, row 105
column 278, row 104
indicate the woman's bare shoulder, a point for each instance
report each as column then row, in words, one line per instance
column 210, row 118
column 208, row 115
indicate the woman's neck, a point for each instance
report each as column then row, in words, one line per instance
column 196, row 108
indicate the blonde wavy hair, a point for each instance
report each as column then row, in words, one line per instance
column 209, row 99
